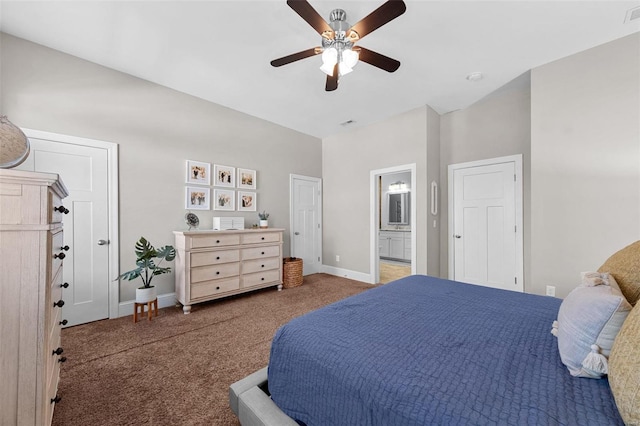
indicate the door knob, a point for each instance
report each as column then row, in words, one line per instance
column 457, row 236
column 103, row 242
column 296, row 233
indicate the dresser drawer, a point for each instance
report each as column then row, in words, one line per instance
column 257, row 265
column 209, row 288
column 52, row 391
column 258, row 278
column 55, row 216
column 57, row 254
column 50, row 357
column 214, row 272
column 260, row 252
column 55, row 295
column 214, row 257
column 209, row 240
column 261, row 237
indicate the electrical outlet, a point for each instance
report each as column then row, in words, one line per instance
column 337, row 258
column 551, row 290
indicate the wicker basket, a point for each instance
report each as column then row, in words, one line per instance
column 292, row 272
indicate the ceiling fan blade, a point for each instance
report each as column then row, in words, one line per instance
column 332, row 80
column 382, row 15
column 378, row 60
column 296, row 57
column 312, row 17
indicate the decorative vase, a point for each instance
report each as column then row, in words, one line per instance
column 264, row 224
column 146, row 294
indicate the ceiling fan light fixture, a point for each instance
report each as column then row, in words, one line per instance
column 329, row 60
column 339, row 55
column 349, row 58
column 344, row 69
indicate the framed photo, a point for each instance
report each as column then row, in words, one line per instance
column 197, row 198
column 224, row 176
column 224, row 199
column 198, row 173
column 246, row 178
column 247, row 201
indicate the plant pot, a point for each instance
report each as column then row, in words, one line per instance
column 264, row 224
column 146, row 294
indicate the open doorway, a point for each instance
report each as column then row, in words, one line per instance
column 393, row 253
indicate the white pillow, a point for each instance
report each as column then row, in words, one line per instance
column 588, row 322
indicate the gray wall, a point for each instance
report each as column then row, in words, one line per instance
column 496, row 126
column 157, row 129
column 585, row 154
column 348, row 159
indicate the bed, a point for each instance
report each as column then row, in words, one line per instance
column 423, row 350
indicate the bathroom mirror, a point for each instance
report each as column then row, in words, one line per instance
column 399, row 208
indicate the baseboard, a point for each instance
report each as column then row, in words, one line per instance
column 164, row 301
column 353, row 275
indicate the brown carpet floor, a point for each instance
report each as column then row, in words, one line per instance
column 176, row 369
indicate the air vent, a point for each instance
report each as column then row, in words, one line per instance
column 632, row 15
column 348, row 122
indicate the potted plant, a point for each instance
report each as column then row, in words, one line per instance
column 147, row 268
column 264, row 222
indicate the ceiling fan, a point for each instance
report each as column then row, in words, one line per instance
column 339, row 53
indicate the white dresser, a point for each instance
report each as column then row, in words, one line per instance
column 31, row 253
column 214, row 264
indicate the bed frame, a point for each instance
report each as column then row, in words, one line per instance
column 249, row 398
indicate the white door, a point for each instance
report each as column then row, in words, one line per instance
column 485, row 235
column 306, row 222
column 83, row 170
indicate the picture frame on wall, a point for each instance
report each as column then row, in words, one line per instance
column 247, row 201
column 197, row 198
column 224, row 176
column 198, row 173
column 224, row 199
column 246, row 178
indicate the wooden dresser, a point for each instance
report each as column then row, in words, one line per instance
column 214, row 264
column 31, row 253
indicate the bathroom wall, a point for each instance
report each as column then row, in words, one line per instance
column 404, row 177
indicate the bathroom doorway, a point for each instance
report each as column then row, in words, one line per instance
column 393, row 210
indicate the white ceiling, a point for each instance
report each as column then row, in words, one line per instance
column 220, row 50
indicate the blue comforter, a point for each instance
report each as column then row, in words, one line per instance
column 427, row 351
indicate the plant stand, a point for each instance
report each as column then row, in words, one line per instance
column 152, row 307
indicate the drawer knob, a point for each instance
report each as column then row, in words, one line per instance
column 62, row 359
column 262, row 279
column 59, row 256
column 262, row 252
column 262, row 238
column 217, row 241
column 218, row 258
column 65, row 248
column 64, row 322
column 58, row 351
column 262, row 266
column 56, row 399
column 59, row 303
column 61, row 209
column 64, row 285
column 217, row 288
